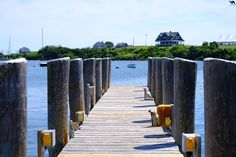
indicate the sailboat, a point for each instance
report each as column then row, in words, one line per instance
column 43, row 63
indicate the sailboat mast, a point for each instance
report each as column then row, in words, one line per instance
column 42, row 38
column 9, row 47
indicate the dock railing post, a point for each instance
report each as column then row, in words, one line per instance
column 98, row 78
column 167, row 80
column 158, row 82
column 185, row 74
column 105, row 74
column 58, row 84
column 220, row 107
column 89, row 76
column 76, row 88
column 13, row 108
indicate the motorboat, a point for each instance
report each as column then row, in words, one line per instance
column 131, row 65
column 43, row 63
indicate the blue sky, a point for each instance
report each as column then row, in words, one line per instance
column 80, row 23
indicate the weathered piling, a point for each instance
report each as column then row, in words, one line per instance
column 167, row 80
column 90, row 98
column 185, row 74
column 13, row 108
column 149, row 73
column 92, row 93
column 220, row 108
column 154, row 62
column 58, row 83
column 152, row 88
column 109, row 72
column 76, row 88
column 98, row 78
column 89, row 75
column 87, row 99
column 105, row 74
column 158, row 81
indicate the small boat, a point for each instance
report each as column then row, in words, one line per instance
column 117, row 67
column 43, row 63
column 131, row 65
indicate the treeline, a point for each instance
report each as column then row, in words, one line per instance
column 134, row 53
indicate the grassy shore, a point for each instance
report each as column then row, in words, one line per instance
column 134, row 52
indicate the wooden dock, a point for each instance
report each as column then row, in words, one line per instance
column 120, row 126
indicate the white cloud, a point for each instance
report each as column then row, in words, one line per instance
column 80, row 23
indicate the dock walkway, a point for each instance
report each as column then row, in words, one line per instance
column 120, row 126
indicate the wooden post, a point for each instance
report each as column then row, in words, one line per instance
column 149, row 73
column 92, row 94
column 90, row 98
column 87, row 99
column 89, row 76
column 198, row 151
column 105, row 74
column 98, row 78
column 58, row 83
column 220, row 107
column 185, row 74
column 154, row 68
column 152, row 76
column 76, row 88
column 13, row 108
column 158, row 81
column 167, row 80
column 109, row 72
column 41, row 149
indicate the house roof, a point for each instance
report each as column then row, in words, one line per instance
column 166, row 36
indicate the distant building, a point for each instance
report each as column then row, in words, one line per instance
column 99, row 45
column 226, row 41
column 169, row 39
column 24, row 50
column 121, row 45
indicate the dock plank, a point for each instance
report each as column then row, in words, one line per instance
column 120, row 126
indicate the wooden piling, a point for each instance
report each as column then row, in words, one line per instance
column 13, row 108
column 105, row 74
column 198, row 152
column 154, row 62
column 149, row 73
column 152, row 88
column 87, row 99
column 98, row 78
column 167, row 80
column 40, row 146
column 58, row 83
column 89, row 75
column 158, row 81
column 220, row 108
column 92, row 94
column 109, row 72
column 185, row 74
column 76, row 88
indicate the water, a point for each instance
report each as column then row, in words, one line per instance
column 37, row 95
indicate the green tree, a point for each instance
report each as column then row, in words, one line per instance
column 213, row 45
column 109, row 44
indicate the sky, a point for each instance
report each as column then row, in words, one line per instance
column 81, row 23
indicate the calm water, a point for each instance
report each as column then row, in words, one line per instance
column 37, row 95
